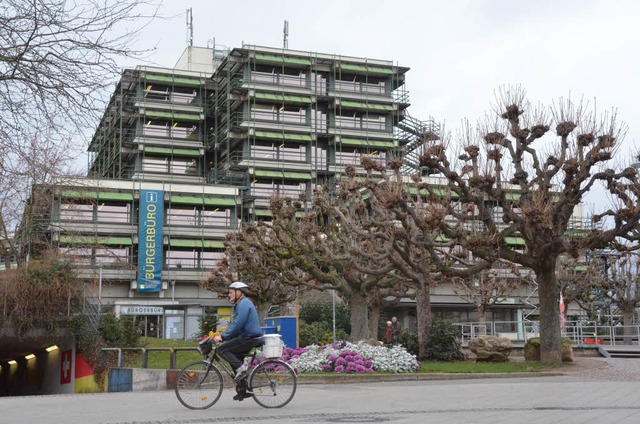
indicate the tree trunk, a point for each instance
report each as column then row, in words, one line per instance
column 628, row 330
column 482, row 314
column 359, row 317
column 262, row 309
column 550, row 335
column 423, row 316
column 374, row 319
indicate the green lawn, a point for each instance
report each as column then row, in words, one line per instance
column 161, row 359
column 486, row 367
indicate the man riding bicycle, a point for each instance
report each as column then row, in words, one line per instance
column 243, row 334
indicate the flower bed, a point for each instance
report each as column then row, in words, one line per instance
column 347, row 357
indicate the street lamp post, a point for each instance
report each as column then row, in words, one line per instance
column 100, row 289
column 334, row 315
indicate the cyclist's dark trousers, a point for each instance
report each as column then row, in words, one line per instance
column 233, row 351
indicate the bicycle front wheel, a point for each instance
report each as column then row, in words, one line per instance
column 199, row 385
column 273, row 383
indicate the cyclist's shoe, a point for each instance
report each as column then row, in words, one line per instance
column 242, row 396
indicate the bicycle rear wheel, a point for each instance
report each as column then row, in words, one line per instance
column 199, row 385
column 273, row 383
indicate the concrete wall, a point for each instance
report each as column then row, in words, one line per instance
column 140, row 379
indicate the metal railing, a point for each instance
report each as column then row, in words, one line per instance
column 144, row 354
column 581, row 333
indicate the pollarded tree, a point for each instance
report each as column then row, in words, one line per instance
column 621, row 288
column 249, row 256
column 578, row 282
column 406, row 230
column 489, row 286
column 318, row 245
column 518, row 182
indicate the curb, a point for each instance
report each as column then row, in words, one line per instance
column 579, row 366
column 381, row 378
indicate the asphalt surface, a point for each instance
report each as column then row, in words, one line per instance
column 595, row 390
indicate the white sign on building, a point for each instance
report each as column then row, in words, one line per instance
column 141, row 310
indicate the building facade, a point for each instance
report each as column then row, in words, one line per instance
column 184, row 155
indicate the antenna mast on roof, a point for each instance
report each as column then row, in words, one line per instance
column 190, row 27
column 285, row 42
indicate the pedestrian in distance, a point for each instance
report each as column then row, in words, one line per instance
column 395, row 331
column 387, row 335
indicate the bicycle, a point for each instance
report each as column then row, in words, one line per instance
column 271, row 381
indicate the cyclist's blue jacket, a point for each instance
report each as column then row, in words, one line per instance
column 245, row 324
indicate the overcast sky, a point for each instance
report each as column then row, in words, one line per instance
column 459, row 52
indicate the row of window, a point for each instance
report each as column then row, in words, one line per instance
column 194, row 259
column 318, row 83
column 176, row 95
column 200, row 216
column 170, row 165
column 348, row 156
column 272, row 76
column 166, row 129
column 298, row 116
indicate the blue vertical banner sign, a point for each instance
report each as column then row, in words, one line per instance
column 150, row 241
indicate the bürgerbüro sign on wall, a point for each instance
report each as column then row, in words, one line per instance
column 150, row 241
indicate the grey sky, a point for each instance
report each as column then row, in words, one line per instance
column 459, row 52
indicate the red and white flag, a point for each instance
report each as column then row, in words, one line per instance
column 66, row 362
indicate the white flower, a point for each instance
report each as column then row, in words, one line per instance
column 394, row 359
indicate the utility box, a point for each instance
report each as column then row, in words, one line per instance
column 269, row 330
column 287, row 327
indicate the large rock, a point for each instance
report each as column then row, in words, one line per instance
column 532, row 349
column 490, row 348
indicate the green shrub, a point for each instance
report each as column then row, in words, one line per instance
column 409, row 341
column 208, row 321
column 322, row 311
column 316, row 322
column 443, row 343
column 318, row 333
column 118, row 332
column 89, row 343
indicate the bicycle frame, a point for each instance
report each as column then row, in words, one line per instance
column 212, row 357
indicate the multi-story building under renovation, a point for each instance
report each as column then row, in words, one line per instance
column 184, row 155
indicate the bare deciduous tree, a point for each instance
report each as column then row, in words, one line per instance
column 42, row 295
column 577, row 282
column 250, row 257
column 57, row 61
column 57, row 58
column 403, row 226
column 488, row 287
column 320, row 246
column 518, row 182
column 621, row 288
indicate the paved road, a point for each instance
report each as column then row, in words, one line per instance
column 589, row 395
